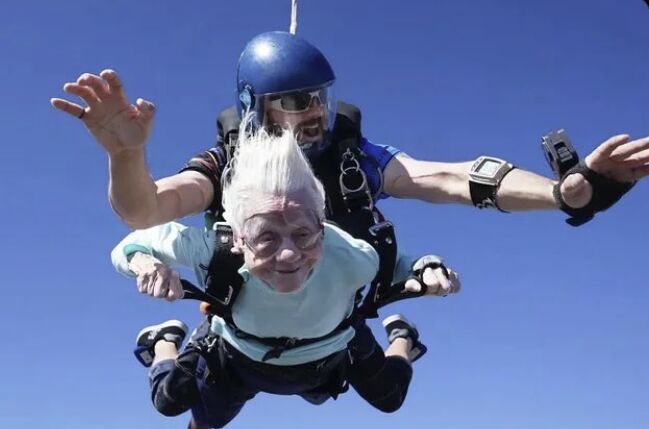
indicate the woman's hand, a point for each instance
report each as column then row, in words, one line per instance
column 154, row 278
column 431, row 273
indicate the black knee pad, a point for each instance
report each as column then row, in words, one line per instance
column 382, row 381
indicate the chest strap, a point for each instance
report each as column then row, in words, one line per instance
column 281, row 344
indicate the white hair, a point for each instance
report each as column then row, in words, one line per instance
column 266, row 165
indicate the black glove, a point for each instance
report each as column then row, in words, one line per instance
column 418, row 268
column 606, row 192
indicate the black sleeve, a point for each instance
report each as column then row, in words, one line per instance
column 210, row 163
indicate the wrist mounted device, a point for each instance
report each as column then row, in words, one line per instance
column 559, row 152
column 484, row 180
column 564, row 161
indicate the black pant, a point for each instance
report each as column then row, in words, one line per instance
column 382, row 381
column 217, row 390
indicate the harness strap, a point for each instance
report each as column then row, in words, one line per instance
column 397, row 292
column 352, row 180
column 228, row 130
column 223, row 282
column 353, row 184
column 281, row 344
column 362, row 219
column 278, row 344
column 381, row 236
column 384, row 241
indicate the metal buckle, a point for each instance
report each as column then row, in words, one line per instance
column 228, row 298
column 290, row 342
column 349, row 157
column 349, row 166
column 379, row 227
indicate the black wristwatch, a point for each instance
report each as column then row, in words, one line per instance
column 484, row 180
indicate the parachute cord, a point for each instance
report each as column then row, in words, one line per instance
column 293, row 28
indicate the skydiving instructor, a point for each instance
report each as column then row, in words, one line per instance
column 287, row 82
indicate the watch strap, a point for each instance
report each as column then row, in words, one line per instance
column 484, row 196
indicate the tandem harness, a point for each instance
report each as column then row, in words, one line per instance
column 349, row 205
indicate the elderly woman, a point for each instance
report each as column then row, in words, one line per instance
column 301, row 276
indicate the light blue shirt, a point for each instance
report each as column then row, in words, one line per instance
column 314, row 310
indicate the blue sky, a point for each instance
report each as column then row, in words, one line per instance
column 550, row 329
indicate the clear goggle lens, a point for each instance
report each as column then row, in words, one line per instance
column 298, row 101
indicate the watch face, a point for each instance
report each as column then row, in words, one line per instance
column 488, row 167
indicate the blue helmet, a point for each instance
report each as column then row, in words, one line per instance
column 277, row 63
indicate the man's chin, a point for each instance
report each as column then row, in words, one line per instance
column 309, row 144
column 308, row 140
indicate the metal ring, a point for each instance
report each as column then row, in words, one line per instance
column 345, row 167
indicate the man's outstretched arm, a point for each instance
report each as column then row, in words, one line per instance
column 618, row 158
column 122, row 129
column 141, row 203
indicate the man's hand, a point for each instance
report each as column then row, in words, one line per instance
column 154, row 278
column 434, row 279
column 618, row 158
column 115, row 123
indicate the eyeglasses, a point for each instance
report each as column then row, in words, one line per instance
column 297, row 102
column 268, row 243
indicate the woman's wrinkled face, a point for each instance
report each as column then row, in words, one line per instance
column 281, row 241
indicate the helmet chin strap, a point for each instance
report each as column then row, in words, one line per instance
column 293, row 27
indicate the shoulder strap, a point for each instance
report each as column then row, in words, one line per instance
column 227, row 124
column 281, row 344
column 343, row 178
column 223, row 282
column 347, row 128
column 352, row 179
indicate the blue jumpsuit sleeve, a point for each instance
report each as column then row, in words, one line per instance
column 378, row 157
